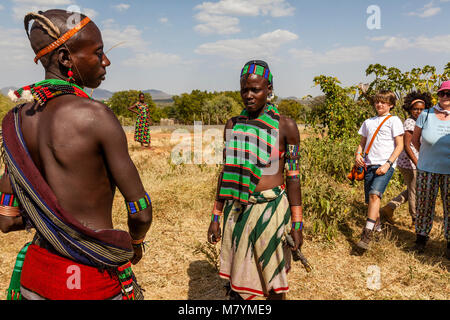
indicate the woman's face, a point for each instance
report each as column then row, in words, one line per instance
column 254, row 92
column 417, row 109
column 141, row 98
column 444, row 99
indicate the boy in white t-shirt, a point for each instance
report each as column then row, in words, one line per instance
column 381, row 160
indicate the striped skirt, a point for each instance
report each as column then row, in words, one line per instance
column 254, row 256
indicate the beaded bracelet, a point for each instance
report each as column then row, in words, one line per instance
column 7, row 211
column 297, row 213
column 136, row 206
column 216, row 211
column 8, row 200
column 139, row 243
column 215, row 218
column 297, row 226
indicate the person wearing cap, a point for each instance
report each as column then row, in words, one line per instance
column 258, row 193
column 414, row 103
column 432, row 138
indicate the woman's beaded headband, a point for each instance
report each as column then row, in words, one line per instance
column 417, row 100
column 59, row 42
column 258, row 70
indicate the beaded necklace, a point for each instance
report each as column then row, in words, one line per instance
column 46, row 90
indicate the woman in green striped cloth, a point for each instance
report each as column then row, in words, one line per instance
column 257, row 206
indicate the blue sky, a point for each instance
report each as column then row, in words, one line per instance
column 180, row 45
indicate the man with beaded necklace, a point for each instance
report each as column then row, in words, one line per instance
column 65, row 154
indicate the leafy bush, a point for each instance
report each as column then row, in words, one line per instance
column 292, row 109
column 5, row 106
column 333, row 157
column 122, row 100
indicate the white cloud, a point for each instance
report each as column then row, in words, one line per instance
column 153, row 60
column 438, row 44
column 216, row 24
column 427, row 11
column 44, row 2
column 91, row 13
column 163, row 20
column 14, row 47
column 122, row 7
column 130, row 36
column 274, row 8
column 310, row 58
column 1, row 7
column 25, row 6
column 266, row 44
column 221, row 17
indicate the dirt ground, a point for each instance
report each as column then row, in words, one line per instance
column 174, row 268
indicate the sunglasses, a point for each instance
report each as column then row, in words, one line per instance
column 444, row 94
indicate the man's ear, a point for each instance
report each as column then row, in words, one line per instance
column 64, row 58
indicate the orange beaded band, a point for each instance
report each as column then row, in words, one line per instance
column 7, row 211
column 216, row 211
column 293, row 173
column 297, row 214
column 69, row 34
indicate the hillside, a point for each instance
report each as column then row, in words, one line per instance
column 103, row 94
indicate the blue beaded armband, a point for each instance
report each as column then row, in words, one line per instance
column 136, row 206
column 297, row 225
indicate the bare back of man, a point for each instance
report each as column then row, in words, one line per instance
column 69, row 141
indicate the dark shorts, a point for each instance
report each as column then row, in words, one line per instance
column 375, row 184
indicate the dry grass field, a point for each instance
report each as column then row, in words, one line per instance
column 176, row 267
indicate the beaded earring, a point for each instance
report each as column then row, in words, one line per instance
column 70, row 74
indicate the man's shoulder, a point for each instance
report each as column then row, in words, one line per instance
column 83, row 113
column 83, row 107
column 286, row 121
column 288, row 127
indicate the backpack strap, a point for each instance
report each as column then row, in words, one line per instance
column 375, row 135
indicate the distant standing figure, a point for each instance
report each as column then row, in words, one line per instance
column 143, row 122
column 432, row 138
column 415, row 103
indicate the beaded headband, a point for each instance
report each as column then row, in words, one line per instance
column 59, row 42
column 258, row 70
column 417, row 100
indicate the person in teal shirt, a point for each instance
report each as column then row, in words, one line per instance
column 432, row 137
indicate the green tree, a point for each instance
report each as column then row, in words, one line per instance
column 189, row 106
column 219, row 109
column 122, row 100
column 292, row 109
column 342, row 112
column 425, row 79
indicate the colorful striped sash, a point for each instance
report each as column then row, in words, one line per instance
column 248, row 151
